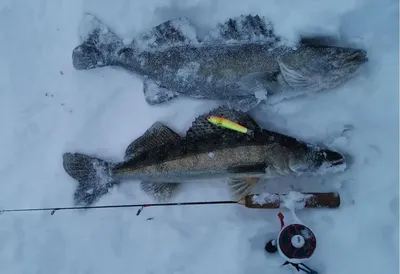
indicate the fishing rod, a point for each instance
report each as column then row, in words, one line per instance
column 264, row 200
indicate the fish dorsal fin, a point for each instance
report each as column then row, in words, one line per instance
column 245, row 28
column 176, row 32
column 201, row 127
column 157, row 135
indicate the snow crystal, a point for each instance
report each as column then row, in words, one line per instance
column 264, row 198
column 326, row 168
column 341, row 141
column 187, row 30
column 89, row 191
column 89, row 23
column 261, row 95
column 295, row 200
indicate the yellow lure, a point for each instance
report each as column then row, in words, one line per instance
column 225, row 123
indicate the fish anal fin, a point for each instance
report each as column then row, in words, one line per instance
column 156, row 94
column 201, row 127
column 157, row 135
column 239, row 188
column 161, row 192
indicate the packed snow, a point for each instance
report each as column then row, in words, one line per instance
column 48, row 108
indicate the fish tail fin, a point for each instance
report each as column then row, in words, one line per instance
column 99, row 46
column 94, row 176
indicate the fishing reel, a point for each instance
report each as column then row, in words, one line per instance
column 295, row 243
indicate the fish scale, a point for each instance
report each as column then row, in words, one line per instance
column 161, row 159
column 242, row 62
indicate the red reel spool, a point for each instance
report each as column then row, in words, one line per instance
column 296, row 243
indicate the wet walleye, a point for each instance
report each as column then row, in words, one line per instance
column 162, row 160
column 241, row 62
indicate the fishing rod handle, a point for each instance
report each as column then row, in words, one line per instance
column 301, row 200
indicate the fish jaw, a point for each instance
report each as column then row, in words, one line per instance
column 318, row 161
column 289, row 156
column 318, row 68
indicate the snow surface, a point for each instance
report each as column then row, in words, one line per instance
column 47, row 108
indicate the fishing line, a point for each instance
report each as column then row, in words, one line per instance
column 142, row 206
column 265, row 200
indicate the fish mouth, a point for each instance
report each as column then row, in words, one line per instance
column 337, row 162
column 329, row 159
column 359, row 57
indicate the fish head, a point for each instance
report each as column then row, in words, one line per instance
column 312, row 159
column 318, row 67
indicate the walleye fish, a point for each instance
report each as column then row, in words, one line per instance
column 241, row 63
column 162, row 160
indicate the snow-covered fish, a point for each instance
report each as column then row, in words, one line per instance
column 242, row 62
column 162, row 160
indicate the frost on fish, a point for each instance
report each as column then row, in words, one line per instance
column 155, row 94
column 243, row 29
column 99, row 44
column 186, row 72
column 91, row 24
column 237, row 62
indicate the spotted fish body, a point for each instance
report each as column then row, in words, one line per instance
column 162, row 160
column 242, row 62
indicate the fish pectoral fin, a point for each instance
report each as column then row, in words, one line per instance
column 239, row 188
column 160, row 191
column 155, row 94
column 157, row 135
column 297, row 79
